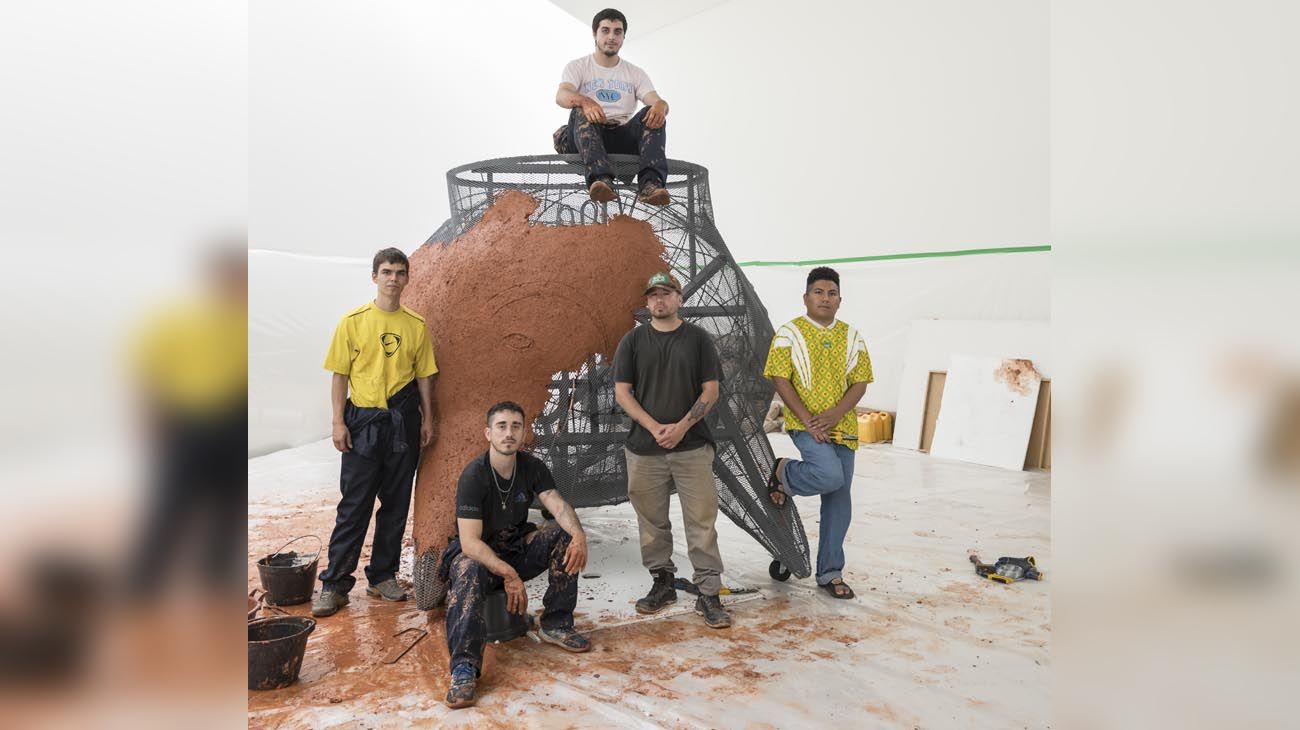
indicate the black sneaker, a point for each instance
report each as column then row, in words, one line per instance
column 710, row 607
column 464, row 678
column 653, row 193
column 661, row 595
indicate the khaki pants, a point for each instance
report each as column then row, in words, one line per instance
column 649, row 479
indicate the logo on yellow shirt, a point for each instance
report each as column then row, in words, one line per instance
column 390, row 342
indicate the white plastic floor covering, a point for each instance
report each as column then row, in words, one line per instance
column 926, row 643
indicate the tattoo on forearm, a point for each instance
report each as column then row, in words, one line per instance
column 699, row 409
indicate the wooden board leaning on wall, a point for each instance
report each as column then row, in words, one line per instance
column 1039, row 453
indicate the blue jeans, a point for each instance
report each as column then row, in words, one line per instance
column 826, row 470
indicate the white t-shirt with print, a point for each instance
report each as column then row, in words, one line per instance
column 616, row 89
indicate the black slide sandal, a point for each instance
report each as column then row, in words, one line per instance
column 774, row 487
column 835, row 584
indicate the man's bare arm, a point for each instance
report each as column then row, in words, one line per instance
column 567, row 97
column 831, row 416
column 575, row 556
column 674, row 434
column 471, row 543
column 426, row 409
column 785, row 389
column 628, row 402
column 790, row 397
column 654, row 118
column 340, row 434
column 565, row 516
column 708, row 398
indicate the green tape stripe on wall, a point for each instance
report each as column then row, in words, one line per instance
column 903, row 256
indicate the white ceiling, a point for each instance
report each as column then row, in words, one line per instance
column 643, row 16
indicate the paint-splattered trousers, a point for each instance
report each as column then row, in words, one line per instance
column 826, row 471
column 381, row 464
column 470, row 582
column 595, row 142
column 650, row 480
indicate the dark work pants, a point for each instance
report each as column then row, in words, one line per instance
column 381, row 473
column 471, row 581
column 595, row 142
column 199, row 498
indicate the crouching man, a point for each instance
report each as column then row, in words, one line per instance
column 498, row 547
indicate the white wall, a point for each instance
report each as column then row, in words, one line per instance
column 835, row 129
column 359, row 109
column 294, row 303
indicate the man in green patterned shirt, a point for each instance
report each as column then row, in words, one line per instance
column 821, row 368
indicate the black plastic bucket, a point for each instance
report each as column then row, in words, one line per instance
column 500, row 623
column 275, row 649
column 288, row 578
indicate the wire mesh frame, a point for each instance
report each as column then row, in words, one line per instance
column 581, row 430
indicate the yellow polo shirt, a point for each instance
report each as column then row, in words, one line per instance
column 380, row 352
column 193, row 356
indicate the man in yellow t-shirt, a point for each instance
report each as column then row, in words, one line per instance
column 821, row 368
column 382, row 395
column 190, row 361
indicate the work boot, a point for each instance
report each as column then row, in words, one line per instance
column 328, row 603
column 601, row 191
column 661, row 595
column 463, row 680
column 710, row 607
column 566, row 638
column 387, row 590
column 653, row 193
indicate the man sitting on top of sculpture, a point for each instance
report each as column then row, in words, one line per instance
column 602, row 90
column 498, row 546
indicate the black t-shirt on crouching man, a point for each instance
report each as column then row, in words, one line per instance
column 667, row 371
column 478, row 497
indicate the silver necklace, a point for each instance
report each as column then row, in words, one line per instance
column 503, row 495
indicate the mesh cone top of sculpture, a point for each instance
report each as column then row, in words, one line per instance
column 529, row 287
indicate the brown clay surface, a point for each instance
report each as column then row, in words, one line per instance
column 508, row 305
column 1019, row 375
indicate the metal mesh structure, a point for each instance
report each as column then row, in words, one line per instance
column 580, row 433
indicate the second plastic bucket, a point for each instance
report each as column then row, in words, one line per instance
column 288, row 578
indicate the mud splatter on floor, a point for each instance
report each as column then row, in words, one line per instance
column 883, row 659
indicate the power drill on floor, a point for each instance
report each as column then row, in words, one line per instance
column 1008, row 570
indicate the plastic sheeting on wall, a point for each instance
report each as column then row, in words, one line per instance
column 294, row 303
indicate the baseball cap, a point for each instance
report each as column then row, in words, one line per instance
column 664, row 279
